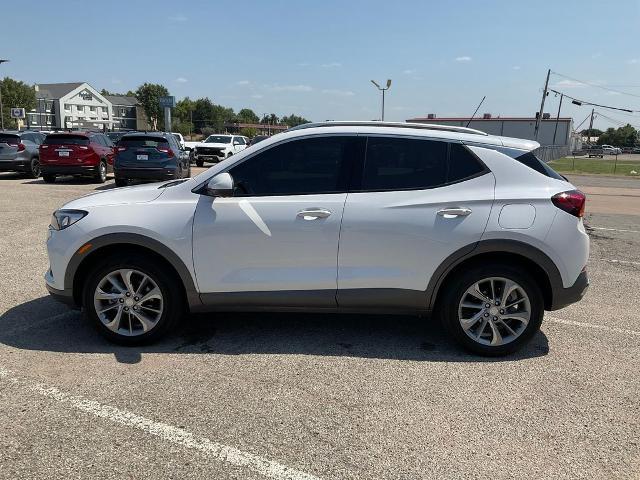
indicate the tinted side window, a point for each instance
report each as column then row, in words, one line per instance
column 531, row 161
column 306, row 166
column 240, row 140
column 462, row 163
column 404, row 164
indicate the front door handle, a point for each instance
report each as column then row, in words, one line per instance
column 314, row 213
column 454, row 212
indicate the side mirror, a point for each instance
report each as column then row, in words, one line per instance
column 220, row 185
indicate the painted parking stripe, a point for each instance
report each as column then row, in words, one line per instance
column 614, row 230
column 624, row 262
column 597, row 326
column 179, row 436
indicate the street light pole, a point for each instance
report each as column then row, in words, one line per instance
column 1, row 109
column 383, row 90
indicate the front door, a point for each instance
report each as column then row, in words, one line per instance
column 418, row 201
column 275, row 242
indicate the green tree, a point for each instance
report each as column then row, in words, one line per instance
column 626, row 136
column 271, row 119
column 15, row 94
column 293, row 120
column 148, row 95
column 249, row 132
column 246, row 115
column 594, row 132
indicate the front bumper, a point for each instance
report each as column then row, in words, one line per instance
column 62, row 296
column 566, row 296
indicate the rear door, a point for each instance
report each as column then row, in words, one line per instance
column 417, row 202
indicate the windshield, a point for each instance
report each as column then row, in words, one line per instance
column 218, row 139
column 10, row 139
column 66, row 140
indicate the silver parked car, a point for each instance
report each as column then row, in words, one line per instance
column 19, row 152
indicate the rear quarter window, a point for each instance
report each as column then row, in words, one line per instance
column 9, row 139
column 530, row 160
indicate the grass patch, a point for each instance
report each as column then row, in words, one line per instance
column 602, row 166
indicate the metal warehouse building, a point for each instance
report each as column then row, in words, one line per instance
column 557, row 134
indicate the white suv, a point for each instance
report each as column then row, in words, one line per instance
column 218, row 147
column 335, row 217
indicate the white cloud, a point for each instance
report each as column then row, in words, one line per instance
column 243, row 82
column 331, row 65
column 569, row 84
column 181, row 80
column 633, row 61
column 516, row 67
column 339, row 93
column 177, row 18
column 464, row 58
column 303, row 64
column 596, row 55
column 257, row 95
column 408, row 71
column 291, row 88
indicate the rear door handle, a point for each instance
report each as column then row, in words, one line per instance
column 314, row 213
column 454, row 212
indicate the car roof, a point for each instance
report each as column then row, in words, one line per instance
column 149, row 134
column 442, row 132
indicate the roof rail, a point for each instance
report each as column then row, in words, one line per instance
column 422, row 126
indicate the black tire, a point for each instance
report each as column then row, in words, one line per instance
column 34, row 168
column 188, row 174
column 179, row 172
column 100, row 176
column 199, row 162
column 48, row 178
column 447, row 308
column 173, row 302
column 122, row 182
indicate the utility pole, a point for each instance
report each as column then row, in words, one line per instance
column 590, row 126
column 557, row 118
column 544, row 97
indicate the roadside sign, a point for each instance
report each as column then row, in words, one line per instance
column 17, row 113
column 167, row 102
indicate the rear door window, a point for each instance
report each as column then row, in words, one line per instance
column 66, row 140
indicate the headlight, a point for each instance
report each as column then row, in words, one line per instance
column 62, row 219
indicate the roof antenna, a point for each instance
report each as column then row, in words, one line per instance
column 474, row 113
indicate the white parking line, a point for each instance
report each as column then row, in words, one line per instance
column 624, row 262
column 573, row 323
column 212, row 450
column 614, row 230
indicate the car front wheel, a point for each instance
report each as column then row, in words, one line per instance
column 132, row 301
column 101, row 172
column 492, row 310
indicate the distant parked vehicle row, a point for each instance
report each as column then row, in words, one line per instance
column 19, row 152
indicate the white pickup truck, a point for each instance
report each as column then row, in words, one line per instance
column 216, row 147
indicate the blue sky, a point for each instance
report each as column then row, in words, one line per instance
column 317, row 58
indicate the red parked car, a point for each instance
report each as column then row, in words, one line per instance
column 76, row 153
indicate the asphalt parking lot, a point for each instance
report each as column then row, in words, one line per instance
column 311, row 396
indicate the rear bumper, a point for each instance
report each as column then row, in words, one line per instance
column 146, row 173
column 566, row 296
column 13, row 165
column 68, row 169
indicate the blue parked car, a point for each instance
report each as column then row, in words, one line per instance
column 149, row 156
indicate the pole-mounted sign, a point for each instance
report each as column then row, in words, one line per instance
column 167, row 103
column 18, row 112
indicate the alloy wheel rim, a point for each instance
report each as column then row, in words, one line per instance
column 103, row 171
column 35, row 168
column 494, row 311
column 128, row 302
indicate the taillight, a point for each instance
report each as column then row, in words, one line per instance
column 82, row 147
column 44, row 146
column 21, row 147
column 168, row 151
column 572, row 202
column 122, row 149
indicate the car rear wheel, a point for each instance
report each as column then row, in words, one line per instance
column 48, row 178
column 122, row 182
column 179, row 172
column 199, row 163
column 132, row 301
column 492, row 310
column 101, row 172
column 34, row 168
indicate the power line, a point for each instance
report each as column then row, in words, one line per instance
column 584, row 102
column 595, row 85
column 616, row 121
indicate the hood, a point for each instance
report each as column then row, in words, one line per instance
column 213, row 145
column 118, row 196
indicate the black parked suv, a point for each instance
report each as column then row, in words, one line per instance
column 149, row 156
column 19, row 152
